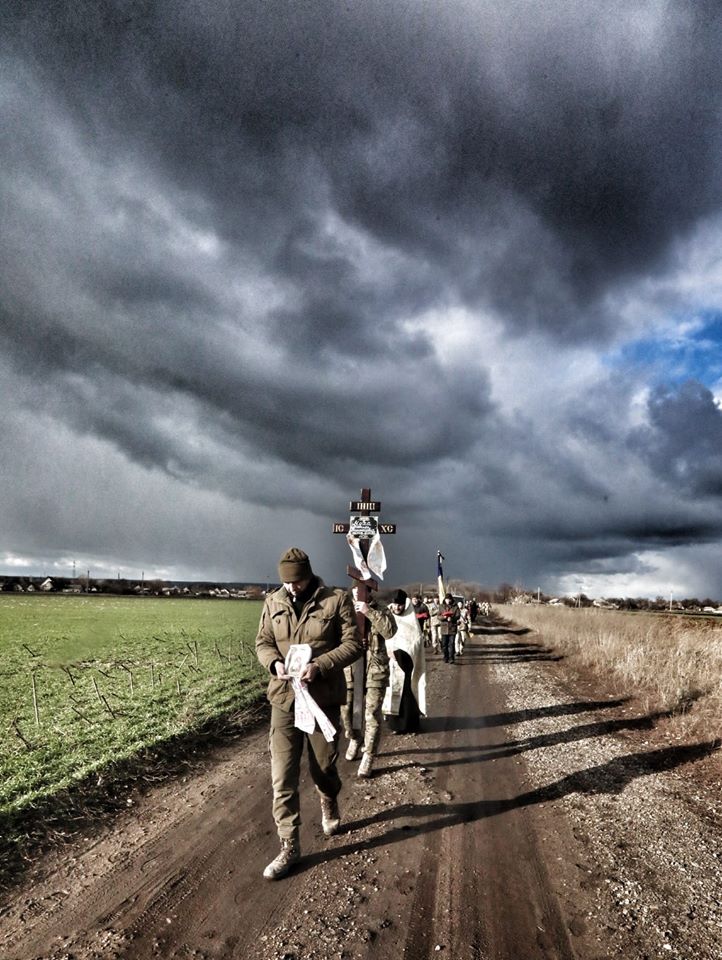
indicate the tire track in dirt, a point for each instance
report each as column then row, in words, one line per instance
column 429, row 893
column 483, row 847
column 210, row 889
column 149, row 879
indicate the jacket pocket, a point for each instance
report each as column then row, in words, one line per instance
column 378, row 675
column 317, row 628
column 281, row 624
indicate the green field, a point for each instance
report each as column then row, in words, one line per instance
column 86, row 681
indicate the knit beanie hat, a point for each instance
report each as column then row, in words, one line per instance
column 294, row 565
column 400, row 597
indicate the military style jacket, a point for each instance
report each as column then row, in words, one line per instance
column 449, row 616
column 327, row 622
column 383, row 627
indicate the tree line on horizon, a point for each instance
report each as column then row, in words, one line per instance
column 502, row 594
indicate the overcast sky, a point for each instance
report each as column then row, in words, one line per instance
column 257, row 255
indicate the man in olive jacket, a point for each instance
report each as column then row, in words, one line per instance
column 304, row 610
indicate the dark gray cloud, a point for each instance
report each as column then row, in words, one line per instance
column 269, row 251
column 597, row 138
column 684, row 438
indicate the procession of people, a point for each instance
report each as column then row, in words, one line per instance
column 341, row 662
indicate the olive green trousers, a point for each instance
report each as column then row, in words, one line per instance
column 372, row 719
column 286, row 743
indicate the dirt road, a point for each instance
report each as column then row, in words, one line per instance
column 485, row 836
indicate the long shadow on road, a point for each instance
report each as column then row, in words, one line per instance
column 610, row 778
column 436, row 724
column 505, row 653
column 511, row 748
column 512, row 649
column 439, row 724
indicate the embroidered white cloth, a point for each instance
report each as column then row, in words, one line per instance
column 375, row 564
column 297, row 659
column 358, row 557
column 306, row 712
column 376, row 559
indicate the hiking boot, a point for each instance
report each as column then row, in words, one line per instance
column 330, row 815
column 352, row 749
column 290, row 853
column 364, row 768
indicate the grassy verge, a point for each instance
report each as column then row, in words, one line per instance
column 676, row 663
column 90, row 682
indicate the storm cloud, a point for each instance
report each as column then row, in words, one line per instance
column 256, row 255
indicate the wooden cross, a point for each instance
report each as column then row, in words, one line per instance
column 364, row 525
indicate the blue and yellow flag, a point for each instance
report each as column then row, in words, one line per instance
column 440, row 574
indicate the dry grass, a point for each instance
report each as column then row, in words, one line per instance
column 674, row 662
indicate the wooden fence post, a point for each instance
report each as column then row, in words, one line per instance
column 35, row 699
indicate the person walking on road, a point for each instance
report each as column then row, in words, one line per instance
column 405, row 700
column 449, row 615
column 473, row 610
column 462, row 634
column 305, row 611
column 382, row 628
column 435, row 619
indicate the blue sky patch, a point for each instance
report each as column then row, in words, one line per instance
column 694, row 352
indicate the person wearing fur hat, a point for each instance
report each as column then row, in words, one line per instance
column 305, row 611
column 405, row 699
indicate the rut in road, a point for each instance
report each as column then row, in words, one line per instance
column 483, row 887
